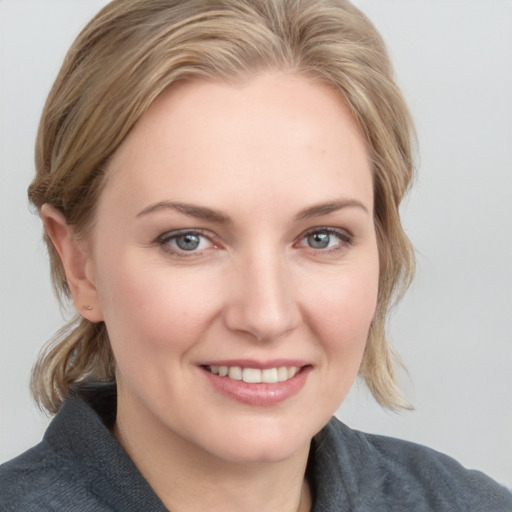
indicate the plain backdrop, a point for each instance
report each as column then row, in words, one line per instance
column 454, row 328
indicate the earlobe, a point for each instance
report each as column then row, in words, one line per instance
column 77, row 263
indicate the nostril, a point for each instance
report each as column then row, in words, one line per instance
column 263, row 325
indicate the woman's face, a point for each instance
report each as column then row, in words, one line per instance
column 235, row 235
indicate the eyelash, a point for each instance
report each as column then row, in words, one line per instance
column 344, row 237
column 164, row 241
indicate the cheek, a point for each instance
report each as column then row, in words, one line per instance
column 340, row 311
column 149, row 310
column 348, row 297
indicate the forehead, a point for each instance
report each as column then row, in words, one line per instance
column 208, row 137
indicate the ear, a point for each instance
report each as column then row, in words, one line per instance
column 78, row 264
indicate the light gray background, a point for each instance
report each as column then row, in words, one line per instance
column 454, row 329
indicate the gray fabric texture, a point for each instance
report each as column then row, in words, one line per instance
column 79, row 466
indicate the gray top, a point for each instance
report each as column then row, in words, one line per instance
column 79, row 466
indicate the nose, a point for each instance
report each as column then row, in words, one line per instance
column 263, row 301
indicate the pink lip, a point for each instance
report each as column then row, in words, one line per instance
column 263, row 394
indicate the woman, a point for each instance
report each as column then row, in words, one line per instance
column 219, row 184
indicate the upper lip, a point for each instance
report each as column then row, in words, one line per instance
column 261, row 365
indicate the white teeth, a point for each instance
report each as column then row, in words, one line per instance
column 251, row 375
column 255, row 375
column 235, row 372
column 282, row 374
column 292, row 370
column 269, row 375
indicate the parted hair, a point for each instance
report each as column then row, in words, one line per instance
column 132, row 51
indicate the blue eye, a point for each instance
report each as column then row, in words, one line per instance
column 184, row 241
column 326, row 238
column 319, row 240
column 189, row 242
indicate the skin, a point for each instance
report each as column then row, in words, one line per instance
column 260, row 154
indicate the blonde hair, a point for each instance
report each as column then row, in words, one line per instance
column 131, row 52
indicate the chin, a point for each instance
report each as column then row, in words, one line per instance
column 262, row 454
column 263, row 445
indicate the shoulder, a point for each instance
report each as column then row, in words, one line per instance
column 37, row 480
column 54, row 475
column 79, row 465
column 407, row 475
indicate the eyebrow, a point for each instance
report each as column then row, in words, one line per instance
column 200, row 212
column 205, row 213
column 321, row 209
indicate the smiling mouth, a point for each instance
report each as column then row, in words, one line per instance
column 255, row 375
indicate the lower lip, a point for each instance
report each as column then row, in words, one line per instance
column 261, row 395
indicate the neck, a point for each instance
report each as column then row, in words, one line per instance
column 188, row 479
